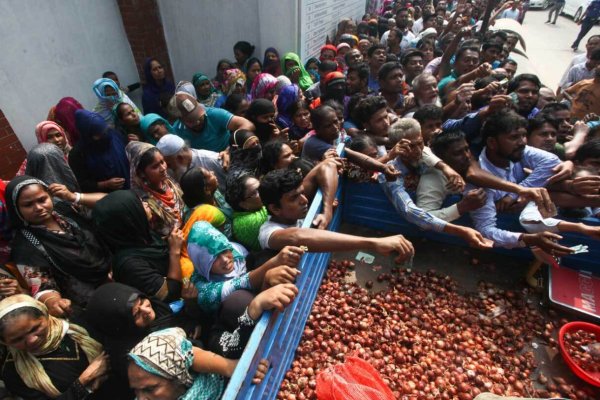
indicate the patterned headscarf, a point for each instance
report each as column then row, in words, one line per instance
column 233, row 77
column 167, row 205
column 43, row 128
column 27, row 365
column 169, row 355
column 262, row 85
column 282, row 81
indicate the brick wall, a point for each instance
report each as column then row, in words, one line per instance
column 144, row 30
column 12, row 152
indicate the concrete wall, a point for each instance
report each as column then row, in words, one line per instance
column 56, row 48
column 199, row 33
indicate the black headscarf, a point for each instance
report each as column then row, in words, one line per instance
column 47, row 162
column 110, row 312
column 122, row 223
column 261, row 107
column 79, row 261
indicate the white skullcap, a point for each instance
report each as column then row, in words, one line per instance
column 170, row 144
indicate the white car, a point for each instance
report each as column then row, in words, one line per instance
column 543, row 4
column 575, row 8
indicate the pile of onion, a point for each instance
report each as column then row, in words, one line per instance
column 427, row 340
column 578, row 346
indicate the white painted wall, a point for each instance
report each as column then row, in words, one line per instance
column 199, row 33
column 50, row 49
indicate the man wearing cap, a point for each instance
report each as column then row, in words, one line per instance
column 203, row 127
column 180, row 157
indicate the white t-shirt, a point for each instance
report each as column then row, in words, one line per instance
column 266, row 229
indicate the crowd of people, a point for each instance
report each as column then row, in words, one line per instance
column 140, row 245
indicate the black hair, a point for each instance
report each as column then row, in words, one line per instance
column 508, row 61
column 488, row 45
column 462, row 51
column 361, row 69
column 277, row 183
column 391, row 57
column 120, row 107
column 270, row 155
column 587, row 150
column 398, row 11
column 387, row 69
column 428, row 112
column 108, row 73
column 502, row 123
column 427, row 16
column 319, row 114
column 361, row 142
column 375, row 47
column 232, row 103
column 244, row 47
column 146, row 159
column 501, row 34
column 235, row 188
column 409, row 54
column 440, row 143
column 297, row 106
column 193, row 186
column 336, row 105
column 516, row 81
column 554, row 106
column 6, row 320
column 327, row 66
column 483, row 82
column 239, row 137
column 354, row 100
column 425, row 41
column 538, row 121
column 253, row 60
column 367, row 107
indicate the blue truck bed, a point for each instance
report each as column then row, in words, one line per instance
column 277, row 335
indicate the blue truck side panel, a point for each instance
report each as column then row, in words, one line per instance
column 277, row 335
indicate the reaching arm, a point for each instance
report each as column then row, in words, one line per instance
column 240, row 123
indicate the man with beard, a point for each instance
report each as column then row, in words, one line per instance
column 592, row 44
column 524, row 90
column 402, row 22
column 353, row 58
column 453, row 149
column 180, row 157
column 206, row 128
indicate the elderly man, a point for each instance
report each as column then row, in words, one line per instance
column 203, row 127
column 180, row 157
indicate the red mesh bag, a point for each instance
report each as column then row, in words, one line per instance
column 355, row 379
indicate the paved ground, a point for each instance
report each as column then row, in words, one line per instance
column 549, row 46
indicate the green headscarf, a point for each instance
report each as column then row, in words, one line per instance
column 146, row 122
column 204, row 244
column 305, row 81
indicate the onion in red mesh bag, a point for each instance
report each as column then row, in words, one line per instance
column 355, row 379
